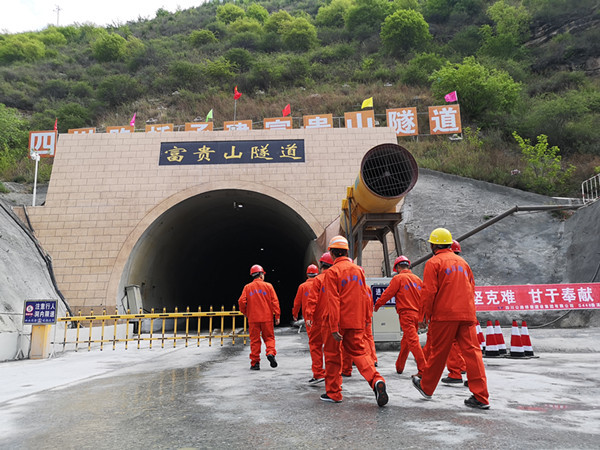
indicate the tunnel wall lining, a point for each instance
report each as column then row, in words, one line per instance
column 106, row 189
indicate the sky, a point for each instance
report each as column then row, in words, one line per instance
column 34, row 15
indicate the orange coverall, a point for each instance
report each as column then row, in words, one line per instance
column 314, row 312
column 259, row 303
column 315, row 341
column 448, row 297
column 370, row 342
column 406, row 287
column 349, row 308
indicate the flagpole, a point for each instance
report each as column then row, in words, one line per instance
column 234, row 108
column 36, row 157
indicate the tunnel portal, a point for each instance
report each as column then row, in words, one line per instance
column 199, row 252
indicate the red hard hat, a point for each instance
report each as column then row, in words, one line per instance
column 326, row 258
column 400, row 259
column 312, row 269
column 256, row 269
column 455, row 246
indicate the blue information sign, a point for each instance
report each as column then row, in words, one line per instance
column 39, row 312
column 231, row 152
column 377, row 291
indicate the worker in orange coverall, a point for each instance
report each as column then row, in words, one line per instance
column 370, row 341
column 406, row 287
column 301, row 303
column 314, row 317
column 455, row 363
column 348, row 312
column 259, row 303
column 448, row 298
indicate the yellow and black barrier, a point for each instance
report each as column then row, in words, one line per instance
column 84, row 324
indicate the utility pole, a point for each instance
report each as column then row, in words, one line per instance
column 58, row 9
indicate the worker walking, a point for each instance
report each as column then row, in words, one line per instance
column 448, row 297
column 406, row 287
column 348, row 312
column 259, row 303
column 455, row 363
column 315, row 318
column 301, row 303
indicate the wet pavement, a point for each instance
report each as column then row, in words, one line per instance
column 207, row 398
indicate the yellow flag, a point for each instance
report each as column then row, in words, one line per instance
column 368, row 103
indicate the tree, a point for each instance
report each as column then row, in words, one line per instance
column 365, row 17
column 299, row 35
column 403, row 31
column 276, row 21
column 543, row 170
column 258, row 12
column 73, row 115
column 198, row 38
column 118, row 89
column 18, row 47
column 332, row 15
column 13, row 137
column 110, row 47
column 510, row 31
column 482, row 93
column 229, row 12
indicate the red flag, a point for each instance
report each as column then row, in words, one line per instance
column 236, row 94
column 56, row 124
column 287, row 110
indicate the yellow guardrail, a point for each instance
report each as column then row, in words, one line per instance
column 108, row 321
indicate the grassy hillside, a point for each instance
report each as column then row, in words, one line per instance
column 527, row 67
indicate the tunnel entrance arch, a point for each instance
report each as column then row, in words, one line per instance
column 197, row 250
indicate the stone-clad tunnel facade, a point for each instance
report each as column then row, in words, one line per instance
column 187, row 234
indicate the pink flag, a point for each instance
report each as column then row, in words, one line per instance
column 56, row 124
column 132, row 121
column 287, row 110
column 451, row 97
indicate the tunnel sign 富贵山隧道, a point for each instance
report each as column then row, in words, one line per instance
column 231, row 152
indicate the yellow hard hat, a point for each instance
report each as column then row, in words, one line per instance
column 440, row 236
column 338, row 242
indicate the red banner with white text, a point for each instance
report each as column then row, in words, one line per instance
column 538, row 297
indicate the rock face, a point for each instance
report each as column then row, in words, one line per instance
column 24, row 275
column 524, row 248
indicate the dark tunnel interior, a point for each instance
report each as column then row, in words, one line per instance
column 199, row 253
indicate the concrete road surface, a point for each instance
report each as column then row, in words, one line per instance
column 208, row 398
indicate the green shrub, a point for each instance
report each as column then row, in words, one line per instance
column 20, row 47
column 229, row 12
column 483, row 93
column 299, row 35
column 56, row 89
column 543, row 169
column 332, row 15
column 186, row 74
column 257, row 12
column 198, row 38
column 110, row 47
column 419, row 69
column 365, row 17
column 240, row 57
column 118, row 89
column 403, row 31
column 220, row 71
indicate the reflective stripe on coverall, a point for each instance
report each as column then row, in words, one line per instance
column 349, row 308
column 449, row 303
column 259, row 303
column 406, row 287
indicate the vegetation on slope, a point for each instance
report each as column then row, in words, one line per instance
column 525, row 71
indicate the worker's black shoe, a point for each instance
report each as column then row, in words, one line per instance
column 255, row 366
column 466, row 383
column 315, row 381
column 346, row 375
column 380, row 393
column 452, row 381
column 416, row 381
column 472, row 402
column 399, row 372
column 326, row 398
column 272, row 361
